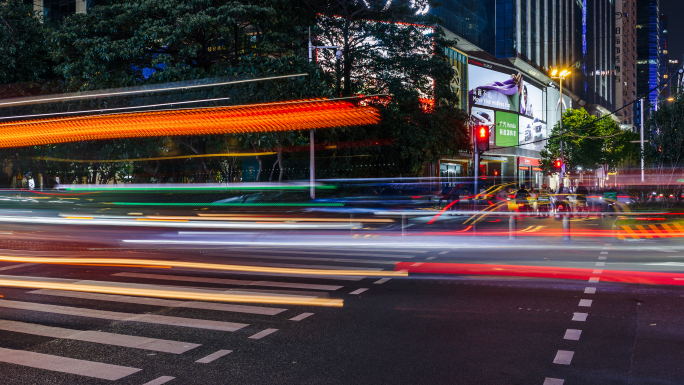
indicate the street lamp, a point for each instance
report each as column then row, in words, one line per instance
column 312, row 170
column 561, row 76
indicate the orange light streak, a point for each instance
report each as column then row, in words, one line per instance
column 188, row 295
column 272, row 117
column 207, row 266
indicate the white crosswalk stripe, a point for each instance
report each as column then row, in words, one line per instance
column 163, row 302
column 65, row 365
column 168, row 277
column 117, row 316
column 136, row 342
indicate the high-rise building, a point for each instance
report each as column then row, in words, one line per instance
column 625, row 60
column 56, row 9
column 471, row 20
column 648, row 50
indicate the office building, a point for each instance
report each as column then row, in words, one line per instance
column 56, row 9
column 625, row 61
column 648, row 50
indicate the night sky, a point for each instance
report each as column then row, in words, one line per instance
column 674, row 9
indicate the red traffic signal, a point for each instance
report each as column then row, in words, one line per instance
column 558, row 164
column 482, row 138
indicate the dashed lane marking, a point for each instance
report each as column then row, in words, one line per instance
column 66, row 365
column 604, row 252
column 572, row 334
column 443, row 252
column 263, row 334
column 358, row 291
column 417, row 264
column 585, row 302
column 590, row 290
column 430, row 258
column 213, row 356
column 594, row 279
column 597, row 271
column 600, row 263
column 563, row 357
column 301, row 316
column 553, row 381
column 602, row 258
column 381, row 281
column 580, row 316
column 159, row 381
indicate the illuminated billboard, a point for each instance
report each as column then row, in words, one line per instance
column 506, row 129
column 504, row 89
column 532, row 134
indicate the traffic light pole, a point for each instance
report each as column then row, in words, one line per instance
column 561, row 130
column 642, row 138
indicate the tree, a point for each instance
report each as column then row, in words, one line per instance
column 588, row 143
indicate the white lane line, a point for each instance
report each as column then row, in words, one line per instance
column 16, row 266
column 162, row 302
column 579, row 316
column 563, row 357
column 157, row 345
column 263, row 334
column 572, row 334
column 597, row 271
column 66, row 365
column 585, row 302
column 381, row 281
column 358, row 291
column 251, row 257
column 553, row 381
column 604, row 252
column 590, row 290
column 607, row 244
column 213, row 356
column 417, row 264
column 594, row 279
column 600, row 263
column 443, row 252
column 301, row 316
column 602, row 258
column 159, row 381
column 117, row 316
column 430, row 258
column 183, row 278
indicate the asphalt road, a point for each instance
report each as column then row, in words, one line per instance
column 420, row 329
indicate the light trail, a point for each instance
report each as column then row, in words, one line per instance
column 157, row 158
column 174, row 294
column 205, row 266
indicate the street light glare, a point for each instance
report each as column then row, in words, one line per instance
column 554, row 72
column 564, row 73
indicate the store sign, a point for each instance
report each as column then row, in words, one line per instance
column 523, row 161
column 506, row 129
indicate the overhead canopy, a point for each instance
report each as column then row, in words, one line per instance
column 285, row 116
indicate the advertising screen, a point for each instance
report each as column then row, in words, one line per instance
column 554, row 107
column 506, row 129
column 532, row 134
column 504, row 89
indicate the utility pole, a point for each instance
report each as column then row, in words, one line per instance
column 562, row 172
column 641, row 106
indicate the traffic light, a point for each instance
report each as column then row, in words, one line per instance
column 482, row 138
column 558, row 165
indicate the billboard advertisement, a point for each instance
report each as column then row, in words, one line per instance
column 504, row 89
column 506, row 129
column 553, row 112
column 532, row 134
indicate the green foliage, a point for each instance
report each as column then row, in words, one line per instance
column 665, row 132
column 22, row 52
column 588, row 143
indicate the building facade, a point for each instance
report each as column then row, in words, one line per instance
column 625, row 61
column 648, row 51
column 56, row 9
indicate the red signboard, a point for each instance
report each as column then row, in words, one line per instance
column 522, row 161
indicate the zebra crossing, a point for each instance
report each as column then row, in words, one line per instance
column 19, row 314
